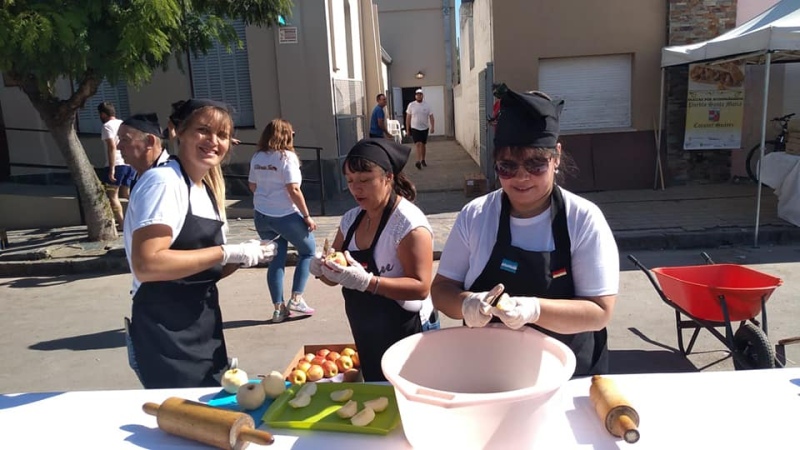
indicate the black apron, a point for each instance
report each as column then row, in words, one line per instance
column 176, row 326
column 543, row 274
column 376, row 321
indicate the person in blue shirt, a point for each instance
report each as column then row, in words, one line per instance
column 377, row 123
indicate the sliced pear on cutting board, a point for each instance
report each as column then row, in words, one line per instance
column 378, row 405
column 342, row 395
column 308, row 389
column 300, row 401
column 348, row 410
column 363, row 418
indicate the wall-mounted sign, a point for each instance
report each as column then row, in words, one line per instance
column 287, row 35
column 714, row 106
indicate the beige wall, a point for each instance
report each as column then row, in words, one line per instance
column 466, row 93
column 577, row 28
column 412, row 33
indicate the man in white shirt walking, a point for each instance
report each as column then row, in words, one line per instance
column 119, row 175
column 417, row 115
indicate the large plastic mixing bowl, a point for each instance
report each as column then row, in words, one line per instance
column 476, row 388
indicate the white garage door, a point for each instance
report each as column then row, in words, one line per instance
column 596, row 90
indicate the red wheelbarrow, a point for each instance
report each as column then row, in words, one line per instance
column 714, row 296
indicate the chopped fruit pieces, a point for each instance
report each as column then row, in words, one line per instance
column 342, row 395
column 348, row 410
column 363, row 418
column 378, row 404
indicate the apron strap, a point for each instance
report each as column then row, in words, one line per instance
column 189, row 186
column 562, row 256
column 387, row 212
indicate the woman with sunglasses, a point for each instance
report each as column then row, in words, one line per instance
column 552, row 250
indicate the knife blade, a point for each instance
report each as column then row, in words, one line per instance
column 326, row 248
column 494, row 294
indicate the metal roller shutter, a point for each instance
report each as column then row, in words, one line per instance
column 596, row 90
column 225, row 76
column 89, row 121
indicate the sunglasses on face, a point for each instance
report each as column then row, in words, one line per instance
column 508, row 169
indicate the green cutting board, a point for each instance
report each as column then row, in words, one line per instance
column 320, row 414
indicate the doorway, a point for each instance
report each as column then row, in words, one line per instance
column 408, row 97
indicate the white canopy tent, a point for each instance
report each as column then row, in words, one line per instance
column 772, row 36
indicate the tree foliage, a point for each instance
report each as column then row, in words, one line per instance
column 87, row 41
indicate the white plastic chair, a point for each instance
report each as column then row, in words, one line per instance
column 393, row 126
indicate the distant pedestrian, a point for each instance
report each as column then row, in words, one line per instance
column 281, row 213
column 377, row 123
column 418, row 114
column 118, row 176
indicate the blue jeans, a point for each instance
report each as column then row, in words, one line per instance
column 291, row 228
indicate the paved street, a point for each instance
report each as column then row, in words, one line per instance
column 65, row 332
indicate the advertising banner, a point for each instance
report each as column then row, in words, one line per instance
column 714, row 106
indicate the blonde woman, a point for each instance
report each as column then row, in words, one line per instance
column 281, row 214
column 175, row 243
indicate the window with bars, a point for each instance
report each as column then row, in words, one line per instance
column 225, row 76
column 89, row 120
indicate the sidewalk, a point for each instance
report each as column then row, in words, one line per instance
column 698, row 216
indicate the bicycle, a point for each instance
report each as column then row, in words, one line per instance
column 778, row 145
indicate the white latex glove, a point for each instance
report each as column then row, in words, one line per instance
column 316, row 265
column 268, row 251
column 247, row 254
column 516, row 312
column 353, row 276
column 475, row 310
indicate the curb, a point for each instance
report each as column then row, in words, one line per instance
column 113, row 263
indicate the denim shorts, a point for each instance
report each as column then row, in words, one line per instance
column 433, row 322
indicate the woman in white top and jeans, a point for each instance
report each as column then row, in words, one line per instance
column 281, row 213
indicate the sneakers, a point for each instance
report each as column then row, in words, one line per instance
column 280, row 314
column 419, row 165
column 298, row 304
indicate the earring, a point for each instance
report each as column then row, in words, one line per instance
column 556, row 171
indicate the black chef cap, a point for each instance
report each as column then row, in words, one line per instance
column 526, row 119
column 147, row 123
column 189, row 106
column 387, row 154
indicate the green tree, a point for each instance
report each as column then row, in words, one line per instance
column 42, row 41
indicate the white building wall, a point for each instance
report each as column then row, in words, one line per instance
column 467, row 122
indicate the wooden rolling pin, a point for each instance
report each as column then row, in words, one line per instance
column 228, row 430
column 616, row 413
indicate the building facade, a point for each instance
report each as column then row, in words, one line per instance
column 604, row 66
column 420, row 38
column 314, row 71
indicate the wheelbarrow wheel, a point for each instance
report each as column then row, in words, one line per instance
column 753, row 346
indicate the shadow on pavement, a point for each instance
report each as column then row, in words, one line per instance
column 34, row 282
column 95, row 341
column 254, row 323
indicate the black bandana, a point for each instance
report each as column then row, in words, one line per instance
column 192, row 104
column 387, row 154
column 146, row 123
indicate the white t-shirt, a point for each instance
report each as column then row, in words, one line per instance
column 162, row 197
column 404, row 219
column 420, row 111
column 595, row 259
column 109, row 131
column 271, row 171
